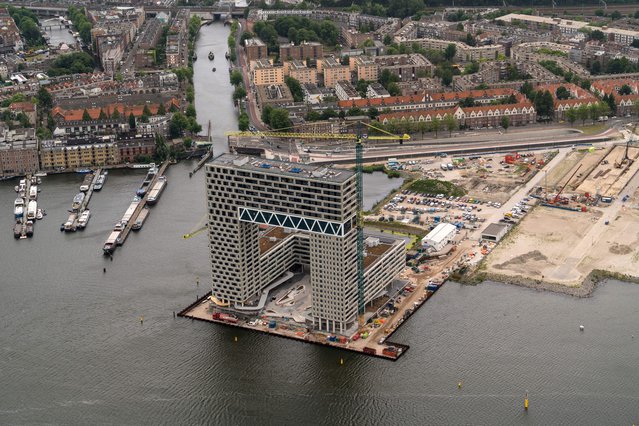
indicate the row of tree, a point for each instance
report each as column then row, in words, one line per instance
column 72, row 63
column 27, row 22
column 78, row 16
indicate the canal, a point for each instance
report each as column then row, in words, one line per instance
column 73, row 349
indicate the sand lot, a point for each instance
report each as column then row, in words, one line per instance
column 562, row 247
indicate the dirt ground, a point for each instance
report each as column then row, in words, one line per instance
column 543, row 242
column 608, row 180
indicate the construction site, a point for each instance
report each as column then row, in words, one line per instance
column 586, row 221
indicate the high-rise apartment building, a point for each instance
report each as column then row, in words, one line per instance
column 316, row 209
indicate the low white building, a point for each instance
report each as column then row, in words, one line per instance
column 440, row 236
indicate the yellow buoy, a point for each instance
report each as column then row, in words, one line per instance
column 341, row 361
column 141, row 320
column 459, row 385
column 236, row 338
column 526, row 402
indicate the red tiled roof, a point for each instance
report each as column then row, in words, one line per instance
column 126, row 110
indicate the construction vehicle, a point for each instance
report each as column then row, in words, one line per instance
column 626, row 160
column 359, row 139
column 556, row 198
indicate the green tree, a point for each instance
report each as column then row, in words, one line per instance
column 44, row 98
column 131, row 121
column 236, row 78
column 393, row 89
column 177, row 125
column 295, row 87
column 266, row 114
column 612, row 103
column 86, row 116
column 103, row 115
column 450, row 52
column 190, row 111
column 239, row 93
column 562, row 93
column 193, row 126
column 422, row 126
column 243, row 122
column 505, row 122
column 583, row 113
column 527, row 90
column 436, row 126
column 116, row 114
column 625, row 90
column 279, row 120
column 313, row 116
column 597, row 35
column 451, row 123
column 161, row 149
column 571, row 116
column 386, row 77
column 161, row 109
column 594, row 111
column 373, row 113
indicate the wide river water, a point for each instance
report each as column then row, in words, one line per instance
column 73, row 350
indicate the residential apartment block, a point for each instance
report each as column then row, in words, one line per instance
column 290, row 51
column 406, row 67
column 300, row 72
column 265, row 73
column 255, row 49
column 333, row 71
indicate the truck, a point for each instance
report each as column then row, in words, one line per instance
column 444, row 166
column 224, row 317
column 370, row 351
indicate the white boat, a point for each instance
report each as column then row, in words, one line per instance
column 140, row 220
column 111, row 242
column 99, row 183
column 33, row 192
column 41, row 174
column 156, row 191
column 129, row 212
column 18, row 202
column 77, row 201
column 32, row 209
column 39, row 214
column 18, row 212
column 84, row 219
column 69, row 225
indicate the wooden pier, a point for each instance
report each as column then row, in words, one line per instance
column 127, row 228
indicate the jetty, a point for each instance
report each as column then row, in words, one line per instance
column 121, row 238
column 29, row 194
column 73, row 217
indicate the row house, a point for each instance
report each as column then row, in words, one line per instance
column 433, row 100
column 606, row 87
column 561, row 106
column 626, row 104
column 575, row 91
column 473, row 117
